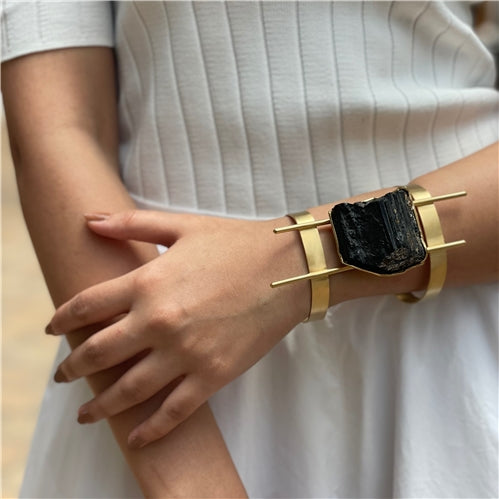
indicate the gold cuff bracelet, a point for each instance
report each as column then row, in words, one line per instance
column 434, row 239
column 316, row 261
column 409, row 228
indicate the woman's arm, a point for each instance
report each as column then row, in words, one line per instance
column 61, row 114
column 474, row 218
column 205, row 311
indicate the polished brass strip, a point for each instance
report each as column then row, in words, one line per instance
column 300, row 226
column 312, row 275
column 316, row 261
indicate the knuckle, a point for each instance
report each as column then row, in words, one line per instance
column 217, row 370
column 184, row 347
column 218, row 365
column 159, row 321
column 132, row 391
column 68, row 370
column 128, row 218
column 78, row 307
column 177, row 315
column 99, row 408
column 143, row 281
column 154, row 429
column 93, row 352
column 176, row 411
column 186, row 343
column 169, row 317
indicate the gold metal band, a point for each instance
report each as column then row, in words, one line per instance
column 433, row 239
column 435, row 244
column 316, row 261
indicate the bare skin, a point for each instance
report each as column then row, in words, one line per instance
column 181, row 332
column 61, row 114
column 205, row 317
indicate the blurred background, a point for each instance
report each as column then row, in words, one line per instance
column 27, row 353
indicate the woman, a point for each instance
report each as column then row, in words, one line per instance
column 249, row 111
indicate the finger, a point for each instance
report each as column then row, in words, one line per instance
column 138, row 384
column 106, row 348
column 98, row 303
column 177, row 407
column 140, row 225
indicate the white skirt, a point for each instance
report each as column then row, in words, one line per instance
column 381, row 399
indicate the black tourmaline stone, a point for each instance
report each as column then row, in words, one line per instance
column 381, row 235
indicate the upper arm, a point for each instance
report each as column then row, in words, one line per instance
column 48, row 93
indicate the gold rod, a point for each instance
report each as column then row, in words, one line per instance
column 308, row 225
column 443, row 197
column 453, row 244
column 312, row 275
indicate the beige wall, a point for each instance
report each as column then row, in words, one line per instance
column 27, row 353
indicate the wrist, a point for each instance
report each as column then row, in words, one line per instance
column 288, row 258
column 383, row 269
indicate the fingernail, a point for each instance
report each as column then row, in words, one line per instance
column 59, row 376
column 96, row 217
column 49, row 329
column 135, row 442
column 84, row 416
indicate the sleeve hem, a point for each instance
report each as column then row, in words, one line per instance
column 29, row 27
column 15, row 52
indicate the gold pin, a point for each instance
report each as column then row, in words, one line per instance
column 338, row 270
column 327, row 221
column 443, row 197
column 311, row 276
column 308, row 225
column 452, row 244
column 328, row 272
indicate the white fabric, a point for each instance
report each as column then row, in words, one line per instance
column 254, row 110
column 29, row 27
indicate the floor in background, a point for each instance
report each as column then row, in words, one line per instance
column 27, row 354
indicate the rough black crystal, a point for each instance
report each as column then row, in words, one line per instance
column 380, row 235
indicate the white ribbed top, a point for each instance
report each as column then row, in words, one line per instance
column 256, row 109
column 32, row 26
column 259, row 109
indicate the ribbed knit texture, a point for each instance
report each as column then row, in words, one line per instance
column 28, row 27
column 254, row 109
column 258, row 109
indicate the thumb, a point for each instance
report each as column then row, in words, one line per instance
column 138, row 225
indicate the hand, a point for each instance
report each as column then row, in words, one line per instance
column 199, row 315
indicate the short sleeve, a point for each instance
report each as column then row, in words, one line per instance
column 35, row 26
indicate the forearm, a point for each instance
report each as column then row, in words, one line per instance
column 474, row 218
column 73, row 259
column 223, row 292
column 66, row 167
